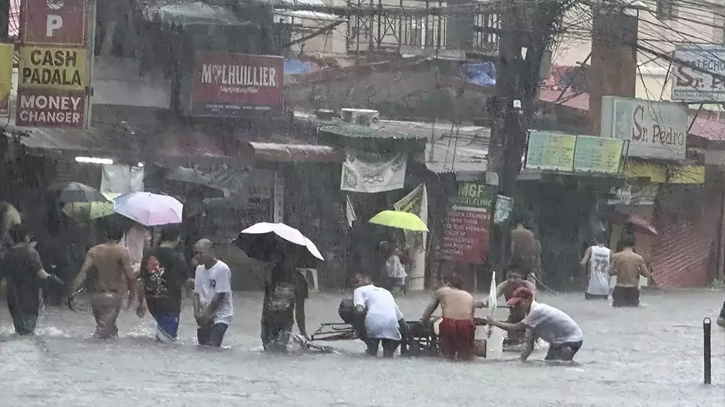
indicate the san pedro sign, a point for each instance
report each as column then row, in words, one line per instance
column 653, row 129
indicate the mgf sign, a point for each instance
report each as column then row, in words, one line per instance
column 236, row 85
column 707, row 84
column 54, row 22
column 653, row 129
column 54, row 65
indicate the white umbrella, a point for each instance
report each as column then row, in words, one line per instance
column 285, row 232
column 149, row 209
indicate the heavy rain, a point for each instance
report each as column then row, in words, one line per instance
column 360, row 203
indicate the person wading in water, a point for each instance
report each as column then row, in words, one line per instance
column 25, row 275
column 285, row 292
column 112, row 279
column 627, row 266
column 514, row 280
column 598, row 262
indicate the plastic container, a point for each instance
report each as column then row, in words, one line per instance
column 494, row 344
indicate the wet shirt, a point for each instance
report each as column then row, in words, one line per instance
column 20, row 265
column 383, row 314
column 164, row 271
column 212, row 281
column 552, row 325
column 109, row 267
column 628, row 266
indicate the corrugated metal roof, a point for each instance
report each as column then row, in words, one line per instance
column 296, row 152
column 384, row 129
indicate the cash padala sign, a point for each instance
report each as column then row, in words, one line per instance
column 653, row 129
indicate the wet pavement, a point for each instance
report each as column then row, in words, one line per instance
column 650, row 356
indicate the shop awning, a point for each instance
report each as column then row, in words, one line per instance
column 296, row 152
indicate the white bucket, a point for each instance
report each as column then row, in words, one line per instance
column 494, row 343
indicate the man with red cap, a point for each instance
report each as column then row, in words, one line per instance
column 545, row 322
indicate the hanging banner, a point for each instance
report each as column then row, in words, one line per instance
column 6, row 74
column 371, row 172
column 468, row 223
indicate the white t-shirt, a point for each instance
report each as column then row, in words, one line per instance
column 599, row 265
column 552, row 324
column 208, row 283
column 383, row 314
column 394, row 268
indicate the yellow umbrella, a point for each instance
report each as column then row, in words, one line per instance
column 400, row 220
column 85, row 211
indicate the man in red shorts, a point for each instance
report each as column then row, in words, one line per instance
column 457, row 329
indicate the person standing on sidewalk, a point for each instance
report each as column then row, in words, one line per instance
column 597, row 261
column 213, row 307
column 163, row 274
column 108, row 265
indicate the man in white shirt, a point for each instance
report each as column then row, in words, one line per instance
column 598, row 261
column 213, row 307
column 546, row 322
column 382, row 317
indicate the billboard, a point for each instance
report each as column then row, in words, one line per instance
column 53, row 71
column 653, row 129
column 54, row 22
column 236, row 85
column 468, row 223
column 695, row 86
column 6, row 74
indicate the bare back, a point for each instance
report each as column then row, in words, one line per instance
column 628, row 266
column 455, row 303
column 112, row 264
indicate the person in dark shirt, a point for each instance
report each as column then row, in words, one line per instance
column 164, row 272
column 25, row 274
column 285, row 291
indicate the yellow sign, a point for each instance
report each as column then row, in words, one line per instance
column 6, row 74
column 661, row 174
column 597, row 154
column 57, row 68
column 550, row 151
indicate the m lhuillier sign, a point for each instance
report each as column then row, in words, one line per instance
column 236, row 85
column 53, row 69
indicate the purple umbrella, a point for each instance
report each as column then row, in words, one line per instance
column 149, row 209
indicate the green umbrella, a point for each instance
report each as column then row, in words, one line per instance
column 400, row 220
column 85, row 211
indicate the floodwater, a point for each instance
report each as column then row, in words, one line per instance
column 650, row 356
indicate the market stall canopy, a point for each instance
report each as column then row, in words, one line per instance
column 400, row 220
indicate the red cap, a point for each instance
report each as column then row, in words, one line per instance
column 521, row 293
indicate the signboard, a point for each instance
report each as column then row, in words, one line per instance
column 236, row 85
column 597, row 154
column 550, row 151
column 6, row 75
column 54, row 68
column 53, row 74
column 468, row 223
column 371, row 172
column 54, row 22
column 653, row 129
column 689, row 85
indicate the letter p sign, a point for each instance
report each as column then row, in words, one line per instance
column 52, row 24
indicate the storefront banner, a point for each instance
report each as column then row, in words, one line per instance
column 370, row 172
column 504, row 206
column 236, row 85
column 634, row 195
column 693, row 86
column 54, row 22
column 468, row 223
column 597, row 154
column 50, row 108
column 550, row 151
column 665, row 174
column 6, row 76
column 653, row 129
column 53, row 68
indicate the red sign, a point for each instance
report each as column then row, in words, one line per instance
column 466, row 235
column 236, row 85
column 54, row 22
column 51, row 108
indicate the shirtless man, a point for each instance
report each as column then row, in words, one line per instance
column 506, row 289
column 457, row 329
column 627, row 266
column 524, row 250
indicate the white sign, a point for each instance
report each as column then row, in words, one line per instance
column 689, row 85
column 653, row 129
column 370, row 172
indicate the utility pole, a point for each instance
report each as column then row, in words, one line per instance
column 4, row 21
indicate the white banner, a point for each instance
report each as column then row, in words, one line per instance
column 653, row 129
column 122, row 179
column 689, row 85
column 370, row 172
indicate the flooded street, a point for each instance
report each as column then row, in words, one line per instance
column 651, row 356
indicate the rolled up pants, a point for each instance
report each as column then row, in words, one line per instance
column 106, row 307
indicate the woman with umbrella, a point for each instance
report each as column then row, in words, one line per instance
column 285, row 292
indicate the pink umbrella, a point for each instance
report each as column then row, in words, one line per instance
column 149, row 209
